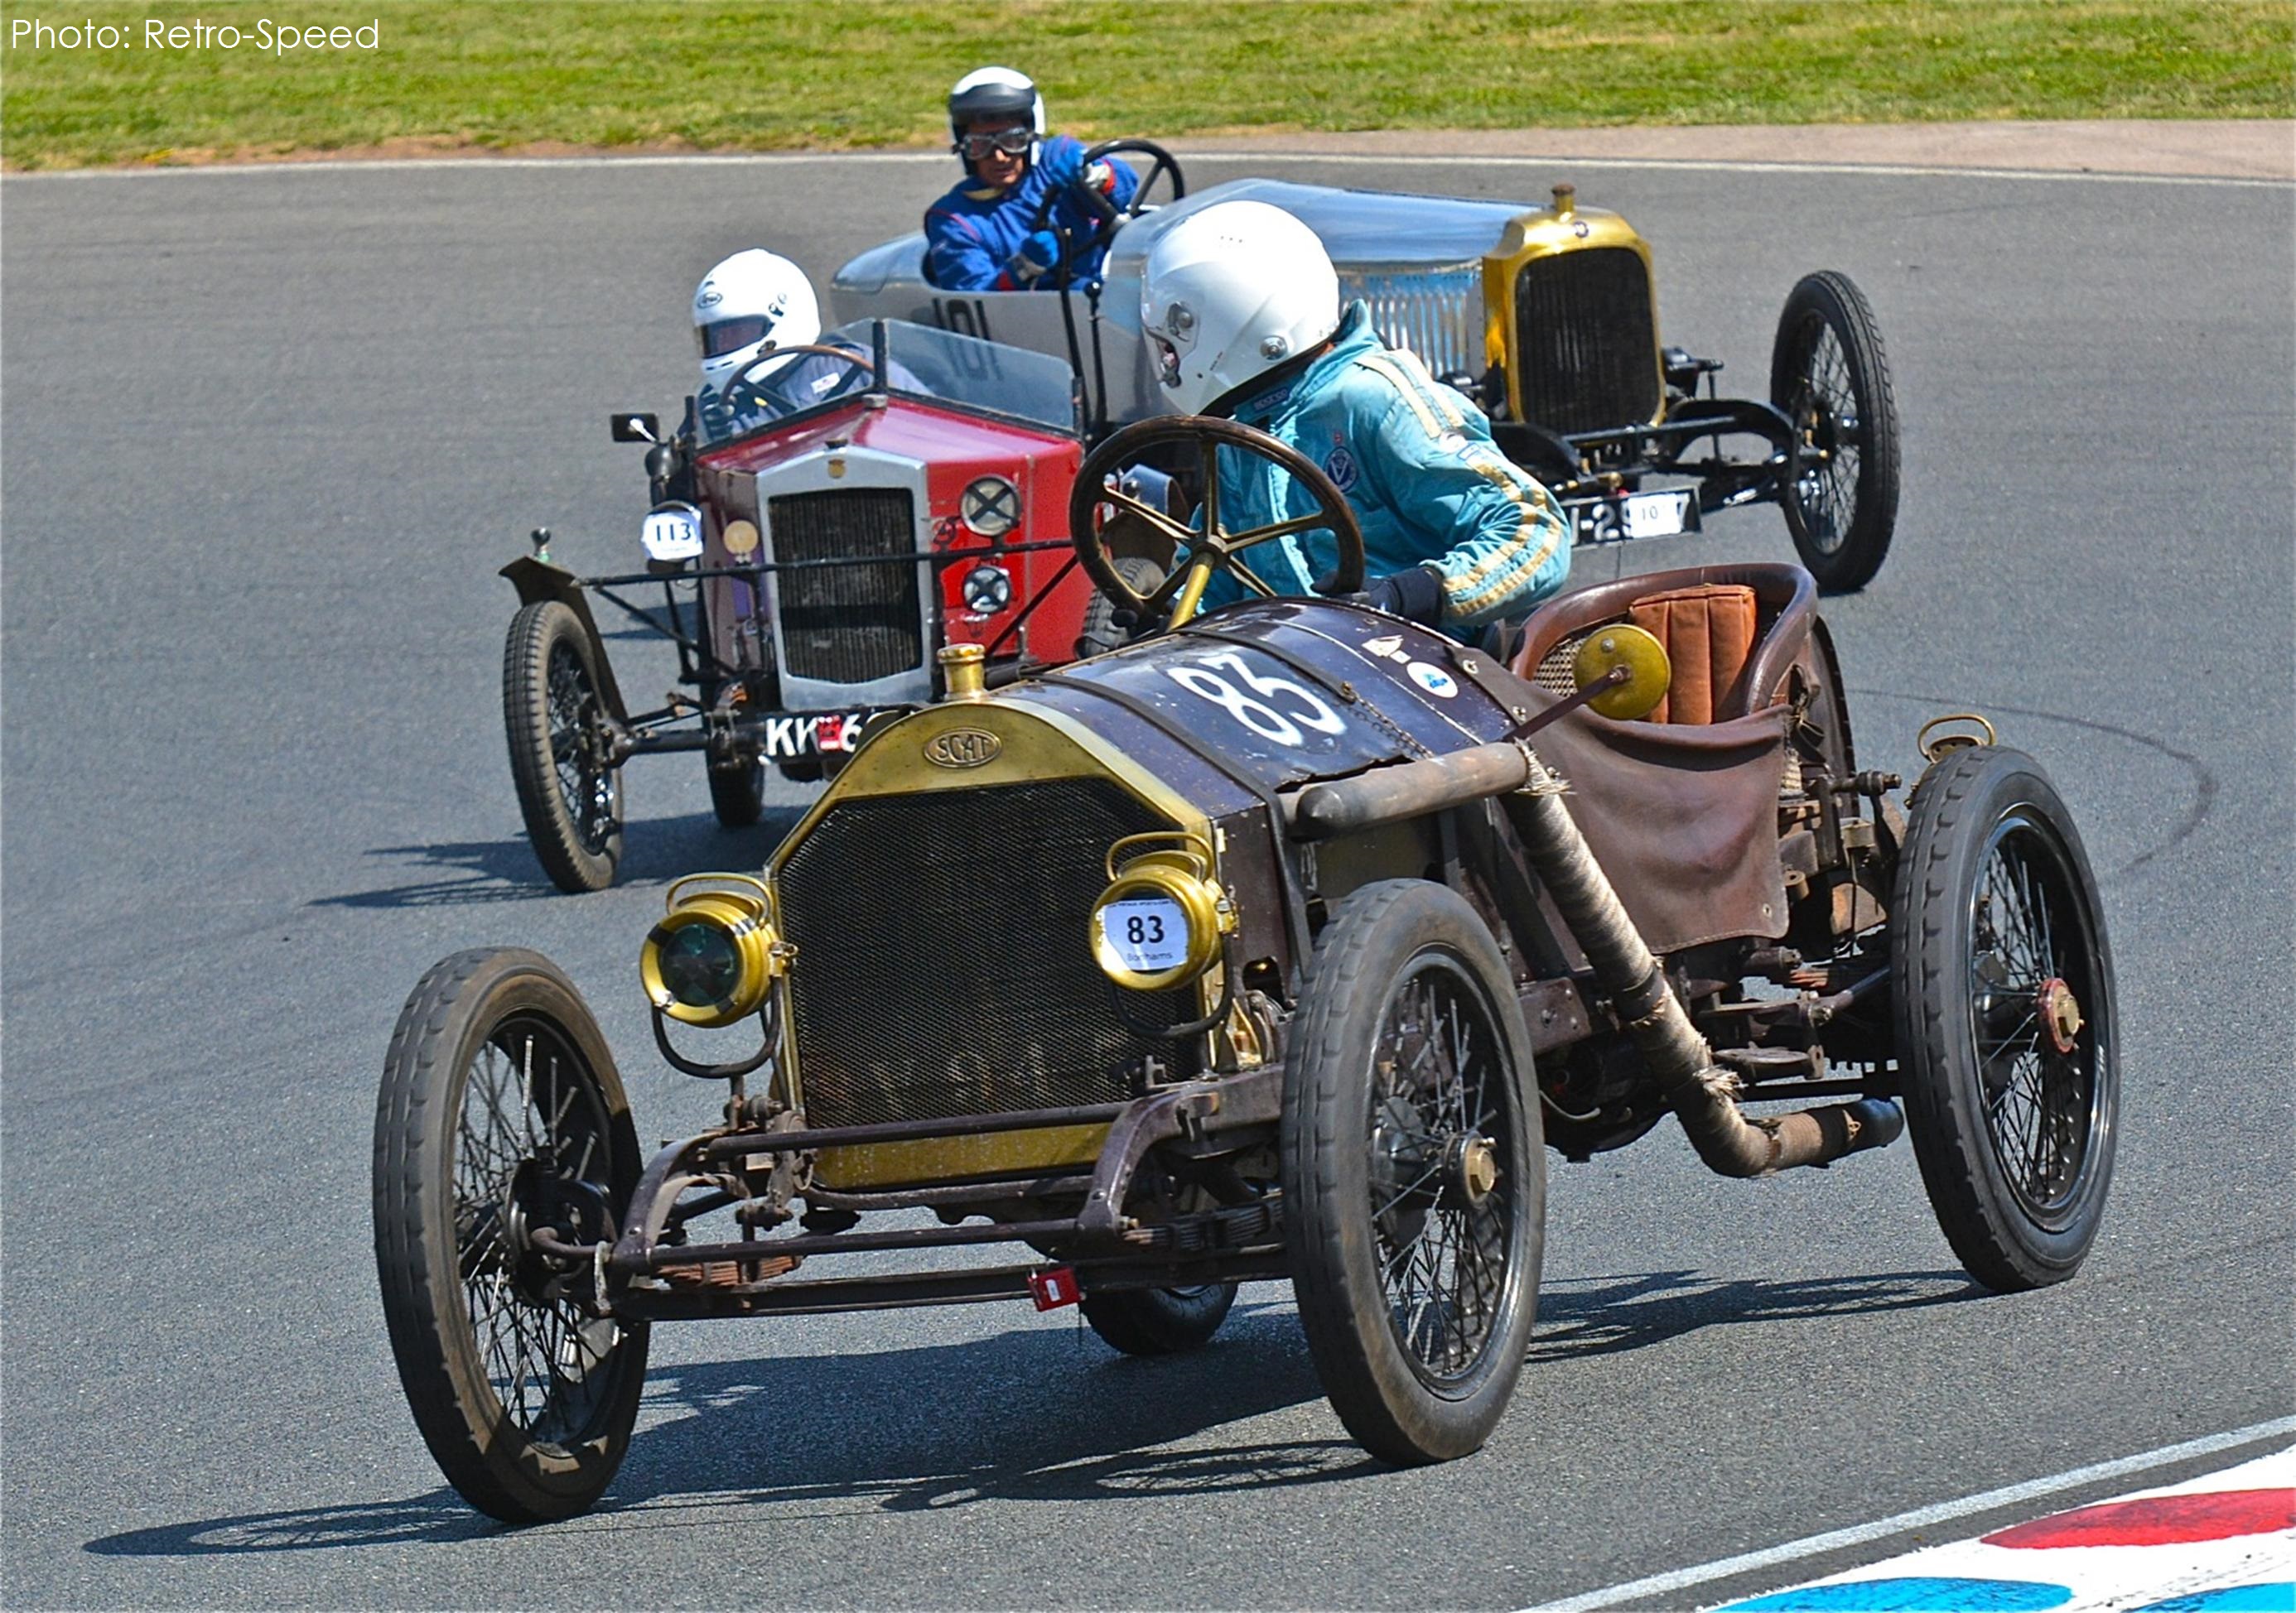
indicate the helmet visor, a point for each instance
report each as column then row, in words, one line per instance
column 724, row 336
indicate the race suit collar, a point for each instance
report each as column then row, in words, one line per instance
column 1350, row 341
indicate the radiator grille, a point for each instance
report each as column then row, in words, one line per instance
column 848, row 623
column 1436, row 313
column 1585, row 342
column 942, row 965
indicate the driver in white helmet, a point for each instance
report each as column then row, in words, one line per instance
column 747, row 306
column 1240, row 310
column 1002, row 228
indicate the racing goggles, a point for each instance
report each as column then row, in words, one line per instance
column 726, row 335
column 1013, row 142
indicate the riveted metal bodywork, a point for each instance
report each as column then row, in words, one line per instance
column 926, row 887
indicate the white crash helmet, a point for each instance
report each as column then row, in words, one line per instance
column 995, row 91
column 751, row 299
column 1228, row 294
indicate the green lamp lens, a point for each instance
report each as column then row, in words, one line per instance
column 700, row 965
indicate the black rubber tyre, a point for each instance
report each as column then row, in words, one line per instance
column 1830, row 375
column 1996, row 934
column 1101, row 633
column 501, row 1112
column 556, row 722
column 737, row 794
column 1416, row 1287
column 1159, row 1321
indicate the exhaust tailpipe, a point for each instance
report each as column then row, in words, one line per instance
column 1703, row 1095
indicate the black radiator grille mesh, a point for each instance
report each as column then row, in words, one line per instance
column 848, row 623
column 942, row 966
column 1586, row 347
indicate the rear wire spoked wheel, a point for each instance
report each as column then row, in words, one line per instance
column 501, row 1115
column 569, row 791
column 1159, row 1321
column 1830, row 377
column 2007, row 1034
column 1413, row 1176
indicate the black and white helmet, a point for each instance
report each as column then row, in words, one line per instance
column 994, row 92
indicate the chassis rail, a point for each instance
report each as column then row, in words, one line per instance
column 1107, row 1247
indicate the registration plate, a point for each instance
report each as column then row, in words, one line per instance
column 1629, row 515
column 794, row 735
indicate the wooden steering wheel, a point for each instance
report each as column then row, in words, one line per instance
column 1212, row 551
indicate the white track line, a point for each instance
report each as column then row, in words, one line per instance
column 1658, row 1584
column 445, row 164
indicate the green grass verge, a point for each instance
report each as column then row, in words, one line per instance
column 741, row 75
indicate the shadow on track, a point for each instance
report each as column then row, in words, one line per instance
column 479, row 872
column 1033, row 1414
column 1602, row 1316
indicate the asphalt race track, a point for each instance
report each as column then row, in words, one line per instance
column 267, row 437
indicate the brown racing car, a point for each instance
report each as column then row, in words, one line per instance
column 1283, row 942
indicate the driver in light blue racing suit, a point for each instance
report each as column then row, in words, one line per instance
column 985, row 234
column 1241, row 309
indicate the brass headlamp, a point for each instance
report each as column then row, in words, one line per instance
column 1159, row 921
column 716, row 953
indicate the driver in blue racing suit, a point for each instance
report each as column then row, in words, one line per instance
column 1239, row 307
column 985, row 234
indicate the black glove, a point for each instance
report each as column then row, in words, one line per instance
column 1415, row 595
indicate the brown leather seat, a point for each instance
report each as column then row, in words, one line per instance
column 1733, row 632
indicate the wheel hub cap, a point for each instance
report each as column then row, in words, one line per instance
column 1472, row 1164
column 2060, row 1014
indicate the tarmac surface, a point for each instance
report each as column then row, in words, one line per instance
column 267, row 434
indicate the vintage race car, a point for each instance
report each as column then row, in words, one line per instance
column 1549, row 317
column 810, row 557
column 1282, row 943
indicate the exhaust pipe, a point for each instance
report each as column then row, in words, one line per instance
column 1704, row 1096
column 1411, row 789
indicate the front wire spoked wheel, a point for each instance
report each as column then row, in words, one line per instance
column 1414, row 1173
column 569, row 789
column 501, row 1126
column 2006, row 1025
column 1830, row 377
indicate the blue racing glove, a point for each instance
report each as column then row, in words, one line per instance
column 1039, row 254
column 1063, row 163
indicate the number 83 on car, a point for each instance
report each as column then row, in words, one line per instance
column 1158, row 924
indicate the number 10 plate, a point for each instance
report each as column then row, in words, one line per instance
column 1611, row 521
